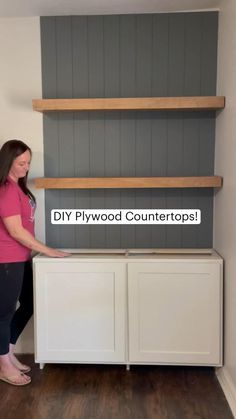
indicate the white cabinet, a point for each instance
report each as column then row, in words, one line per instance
column 130, row 309
column 175, row 312
column 80, row 311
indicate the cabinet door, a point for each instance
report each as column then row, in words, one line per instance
column 80, row 312
column 175, row 313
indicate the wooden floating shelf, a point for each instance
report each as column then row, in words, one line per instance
column 135, row 103
column 129, row 182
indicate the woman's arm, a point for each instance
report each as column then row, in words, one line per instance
column 14, row 227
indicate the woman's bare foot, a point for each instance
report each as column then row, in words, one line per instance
column 19, row 379
column 21, row 367
column 11, row 374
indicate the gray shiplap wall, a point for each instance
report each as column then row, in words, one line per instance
column 126, row 56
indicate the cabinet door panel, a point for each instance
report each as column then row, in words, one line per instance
column 80, row 312
column 175, row 313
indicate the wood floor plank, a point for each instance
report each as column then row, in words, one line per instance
column 111, row 392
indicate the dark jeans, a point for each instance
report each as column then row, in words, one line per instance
column 16, row 284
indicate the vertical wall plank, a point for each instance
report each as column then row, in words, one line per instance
column 96, row 121
column 66, row 168
column 112, row 120
column 97, row 168
column 52, row 230
column 64, row 57
column 192, row 54
column 65, row 121
column 51, row 166
column 160, row 55
column 127, row 160
column 205, row 229
column 190, row 168
column 189, row 232
column 176, row 74
column 176, row 54
column 160, row 60
column 128, row 47
column 207, row 144
column 143, row 163
column 80, row 57
column 112, row 168
column 111, row 56
column 49, row 59
column 158, row 168
column 144, row 47
column 174, row 168
column 209, row 53
column 81, row 123
column 192, row 120
column 96, row 56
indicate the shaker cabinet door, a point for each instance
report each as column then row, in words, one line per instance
column 80, row 312
column 175, row 313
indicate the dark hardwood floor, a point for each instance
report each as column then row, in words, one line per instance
column 111, row 392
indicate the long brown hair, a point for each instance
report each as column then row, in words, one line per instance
column 9, row 151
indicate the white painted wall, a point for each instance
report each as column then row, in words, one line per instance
column 225, row 165
column 20, row 82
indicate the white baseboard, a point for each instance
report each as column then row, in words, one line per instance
column 228, row 387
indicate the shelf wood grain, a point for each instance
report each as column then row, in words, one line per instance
column 129, row 182
column 135, row 103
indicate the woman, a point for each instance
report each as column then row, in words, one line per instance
column 17, row 207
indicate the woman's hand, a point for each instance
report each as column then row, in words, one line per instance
column 14, row 227
column 54, row 253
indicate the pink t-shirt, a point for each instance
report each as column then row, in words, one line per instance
column 13, row 201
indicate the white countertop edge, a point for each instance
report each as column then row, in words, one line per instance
column 133, row 255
